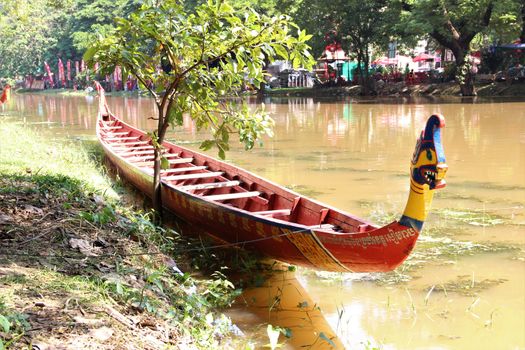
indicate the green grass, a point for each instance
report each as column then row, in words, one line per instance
column 26, row 152
column 52, row 191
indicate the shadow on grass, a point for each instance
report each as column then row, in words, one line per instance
column 71, row 264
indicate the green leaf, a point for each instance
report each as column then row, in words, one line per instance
column 119, row 289
column 206, row 145
column 222, row 154
column 4, row 322
column 164, row 163
column 281, row 51
column 88, row 55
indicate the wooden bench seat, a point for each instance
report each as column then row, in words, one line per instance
column 111, row 133
column 118, row 148
column 322, row 227
column 273, row 213
column 177, row 170
column 146, row 157
column 210, row 185
column 236, row 195
column 146, row 151
column 126, row 138
column 111, row 127
column 193, row 176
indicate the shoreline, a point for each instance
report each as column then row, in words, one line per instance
column 399, row 89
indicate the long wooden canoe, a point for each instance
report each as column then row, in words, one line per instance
column 237, row 206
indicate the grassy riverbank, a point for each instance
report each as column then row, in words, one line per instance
column 496, row 89
column 80, row 269
column 71, row 92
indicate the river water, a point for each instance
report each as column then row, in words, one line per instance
column 464, row 285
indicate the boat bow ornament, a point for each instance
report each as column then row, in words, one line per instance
column 240, row 208
column 427, row 173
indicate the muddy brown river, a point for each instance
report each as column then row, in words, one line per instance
column 463, row 287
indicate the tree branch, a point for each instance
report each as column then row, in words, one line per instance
column 231, row 49
column 467, row 36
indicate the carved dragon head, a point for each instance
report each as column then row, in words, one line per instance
column 428, row 162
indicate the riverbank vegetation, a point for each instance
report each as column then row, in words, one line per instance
column 213, row 53
column 66, row 28
column 79, row 267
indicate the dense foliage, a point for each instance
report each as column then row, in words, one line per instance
column 189, row 60
column 35, row 31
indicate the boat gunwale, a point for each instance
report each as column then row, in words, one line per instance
column 294, row 226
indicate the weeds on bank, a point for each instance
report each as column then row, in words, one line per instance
column 67, row 242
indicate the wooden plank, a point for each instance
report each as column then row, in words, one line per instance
column 122, row 145
column 227, row 196
column 171, row 161
column 143, row 151
column 110, row 133
column 179, row 170
column 193, row 176
column 183, row 169
column 121, row 138
column 118, row 148
column 149, row 163
column 322, row 227
column 275, row 212
column 111, row 127
column 210, row 185
column 181, row 160
column 146, row 157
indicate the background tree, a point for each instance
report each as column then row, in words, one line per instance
column 26, row 35
column 188, row 62
column 92, row 18
column 454, row 24
column 360, row 26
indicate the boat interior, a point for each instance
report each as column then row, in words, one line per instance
column 221, row 182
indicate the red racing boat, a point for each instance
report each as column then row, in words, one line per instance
column 239, row 207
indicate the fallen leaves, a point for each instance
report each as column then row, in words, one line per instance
column 5, row 219
column 85, row 247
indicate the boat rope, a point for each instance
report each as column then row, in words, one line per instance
column 175, row 251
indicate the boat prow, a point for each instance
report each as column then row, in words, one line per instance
column 243, row 209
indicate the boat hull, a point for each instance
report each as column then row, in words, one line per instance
column 374, row 250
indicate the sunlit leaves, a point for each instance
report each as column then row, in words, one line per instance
column 191, row 61
column 164, row 163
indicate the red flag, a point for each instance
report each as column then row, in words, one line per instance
column 116, row 77
column 68, row 66
column 103, row 108
column 49, row 74
column 6, row 94
column 61, row 75
column 82, row 66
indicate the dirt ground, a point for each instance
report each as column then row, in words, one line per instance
column 60, row 275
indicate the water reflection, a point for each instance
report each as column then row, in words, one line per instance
column 354, row 154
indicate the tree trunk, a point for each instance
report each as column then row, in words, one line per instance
column 162, row 127
column 157, row 193
column 464, row 73
column 363, row 74
column 522, row 34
